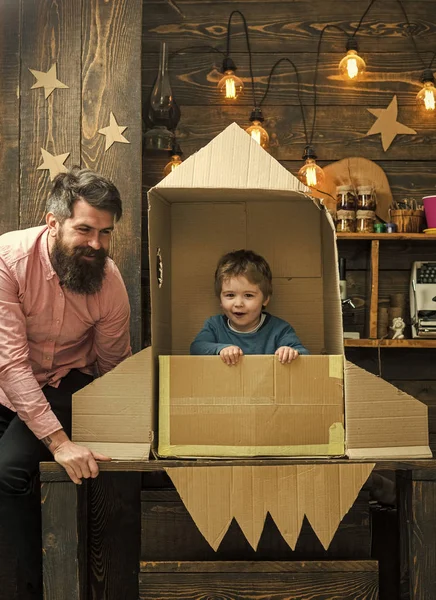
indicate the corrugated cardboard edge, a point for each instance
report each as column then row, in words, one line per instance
column 381, row 421
column 335, row 446
column 216, row 495
column 137, row 372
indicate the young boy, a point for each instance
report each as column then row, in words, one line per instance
column 243, row 283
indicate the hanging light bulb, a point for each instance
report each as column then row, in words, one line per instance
column 352, row 65
column 427, row 95
column 230, row 85
column 310, row 173
column 257, row 132
column 176, row 159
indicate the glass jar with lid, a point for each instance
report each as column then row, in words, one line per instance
column 365, row 198
column 365, row 221
column 346, row 221
column 345, row 198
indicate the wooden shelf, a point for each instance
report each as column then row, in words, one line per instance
column 415, row 343
column 386, row 236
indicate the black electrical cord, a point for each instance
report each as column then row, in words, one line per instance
column 363, row 16
column 315, row 76
column 247, row 38
column 285, row 59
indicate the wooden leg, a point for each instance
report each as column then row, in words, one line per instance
column 115, row 536
column 417, row 522
column 64, row 539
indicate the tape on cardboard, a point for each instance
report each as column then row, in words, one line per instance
column 335, row 447
column 336, row 366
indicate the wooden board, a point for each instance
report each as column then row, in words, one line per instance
column 112, row 83
column 9, row 114
column 50, row 34
column 343, row 580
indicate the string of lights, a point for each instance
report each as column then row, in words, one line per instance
column 351, row 67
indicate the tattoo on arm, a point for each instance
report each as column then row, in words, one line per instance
column 47, row 441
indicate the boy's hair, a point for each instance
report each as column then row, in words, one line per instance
column 248, row 264
column 77, row 184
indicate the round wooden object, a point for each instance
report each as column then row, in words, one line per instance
column 356, row 171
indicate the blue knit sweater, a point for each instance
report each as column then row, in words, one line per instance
column 273, row 334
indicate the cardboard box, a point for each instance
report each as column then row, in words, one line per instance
column 259, row 408
column 230, row 195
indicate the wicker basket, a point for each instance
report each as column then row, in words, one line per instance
column 408, row 221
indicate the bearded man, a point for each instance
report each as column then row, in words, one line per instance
column 64, row 318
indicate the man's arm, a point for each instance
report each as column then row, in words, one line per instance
column 24, row 392
column 16, row 376
column 112, row 332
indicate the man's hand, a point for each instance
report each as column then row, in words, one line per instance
column 230, row 355
column 286, row 354
column 78, row 461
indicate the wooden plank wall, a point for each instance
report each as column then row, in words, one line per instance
column 100, row 64
column 292, row 29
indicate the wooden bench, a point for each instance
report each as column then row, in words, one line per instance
column 94, row 532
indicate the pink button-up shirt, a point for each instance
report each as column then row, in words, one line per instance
column 46, row 330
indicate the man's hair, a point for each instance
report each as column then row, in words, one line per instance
column 83, row 184
column 248, row 264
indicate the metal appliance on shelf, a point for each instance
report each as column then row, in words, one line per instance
column 423, row 299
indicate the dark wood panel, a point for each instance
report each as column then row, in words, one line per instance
column 289, row 28
column 114, row 536
column 421, row 540
column 111, row 71
column 322, row 585
column 50, row 34
column 9, row 110
column 195, row 76
column 169, row 533
column 64, row 541
column 338, row 133
column 394, row 255
column 397, row 364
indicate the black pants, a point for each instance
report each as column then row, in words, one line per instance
column 20, row 498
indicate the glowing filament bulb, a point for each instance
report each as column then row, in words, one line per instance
column 230, row 89
column 352, row 68
column 429, row 100
column 311, row 175
column 427, row 94
column 352, row 65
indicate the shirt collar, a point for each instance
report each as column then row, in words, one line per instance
column 45, row 257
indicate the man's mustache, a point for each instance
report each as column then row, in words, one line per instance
column 101, row 252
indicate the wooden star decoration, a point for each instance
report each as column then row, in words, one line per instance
column 54, row 164
column 387, row 123
column 113, row 133
column 48, row 81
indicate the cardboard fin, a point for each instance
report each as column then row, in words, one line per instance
column 284, row 507
column 205, row 168
column 100, row 420
column 379, row 415
column 215, row 495
column 327, row 493
column 206, row 493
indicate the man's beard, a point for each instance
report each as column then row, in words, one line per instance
column 75, row 273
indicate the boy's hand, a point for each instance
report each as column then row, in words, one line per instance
column 286, row 354
column 230, row 355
